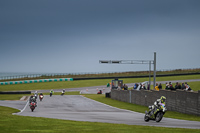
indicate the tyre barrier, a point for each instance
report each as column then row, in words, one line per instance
column 35, row 81
column 15, row 92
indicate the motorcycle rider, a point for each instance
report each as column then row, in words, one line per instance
column 63, row 92
column 32, row 99
column 51, row 92
column 36, row 94
column 158, row 104
column 41, row 94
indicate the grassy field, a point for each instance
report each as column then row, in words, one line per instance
column 88, row 83
column 90, row 75
column 13, row 123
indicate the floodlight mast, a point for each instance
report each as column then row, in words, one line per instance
column 136, row 62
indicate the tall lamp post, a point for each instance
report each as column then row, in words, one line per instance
column 136, row 62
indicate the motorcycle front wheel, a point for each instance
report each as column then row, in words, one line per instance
column 32, row 109
column 159, row 116
column 146, row 118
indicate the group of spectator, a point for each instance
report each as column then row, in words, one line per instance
column 158, row 87
column 178, row 86
column 141, row 86
column 125, row 87
column 168, row 86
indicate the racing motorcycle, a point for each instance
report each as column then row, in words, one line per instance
column 41, row 97
column 35, row 96
column 158, row 115
column 32, row 106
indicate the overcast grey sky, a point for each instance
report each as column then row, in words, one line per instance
column 73, row 35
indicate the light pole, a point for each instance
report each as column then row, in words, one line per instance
column 136, row 62
column 154, row 72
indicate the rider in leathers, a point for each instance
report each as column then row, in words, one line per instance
column 158, row 104
column 32, row 99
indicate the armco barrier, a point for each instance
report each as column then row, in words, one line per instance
column 15, row 92
column 35, row 81
column 180, row 101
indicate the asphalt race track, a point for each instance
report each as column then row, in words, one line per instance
column 80, row 108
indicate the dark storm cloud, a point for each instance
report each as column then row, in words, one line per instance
column 61, row 28
column 37, row 17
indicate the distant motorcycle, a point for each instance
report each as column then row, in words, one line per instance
column 63, row 92
column 41, row 97
column 35, row 96
column 157, row 116
column 51, row 93
column 32, row 106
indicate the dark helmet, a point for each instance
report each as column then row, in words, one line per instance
column 163, row 99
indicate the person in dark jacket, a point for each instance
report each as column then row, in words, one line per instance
column 177, row 86
column 183, row 86
column 160, row 86
column 171, row 87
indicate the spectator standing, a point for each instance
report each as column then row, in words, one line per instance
column 119, row 87
column 135, row 86
column 183, row 86
column 176, row 86
column 166, row 86
column 160, row 86
column 144, row 87
column 140, row 86
column 179, row 86
column 171, row 87
column 156, row 87
column 187, row 87
column 125, row 87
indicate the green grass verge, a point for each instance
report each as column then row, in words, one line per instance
column 66, row 93
column 12, row 96
column 19, row 96
column 88, row 83
column 17, row 124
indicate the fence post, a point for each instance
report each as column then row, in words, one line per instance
column 198, row 102
column 130, row 96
